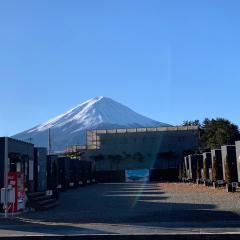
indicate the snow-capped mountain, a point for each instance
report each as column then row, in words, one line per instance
column 97, row 113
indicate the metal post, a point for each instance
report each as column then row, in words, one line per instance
column 6, row 176
column 49, row 142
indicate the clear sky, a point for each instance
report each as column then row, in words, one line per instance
column 169, row 60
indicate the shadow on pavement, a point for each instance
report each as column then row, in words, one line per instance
column 134, row 204
column 19, row 226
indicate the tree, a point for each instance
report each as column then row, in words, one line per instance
column 215, row 132
column 192, row 123
column 218, row 132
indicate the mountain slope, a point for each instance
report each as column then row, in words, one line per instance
column 97, row 113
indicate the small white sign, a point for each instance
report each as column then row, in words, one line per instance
column 220, row 182
column 21, row 204
column 49, row 192
column 10, row 195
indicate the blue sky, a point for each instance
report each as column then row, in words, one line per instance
column 169, row 60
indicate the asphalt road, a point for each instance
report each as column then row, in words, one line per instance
column 133, row 209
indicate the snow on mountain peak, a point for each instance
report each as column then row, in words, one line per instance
column 99, row 112
column 76, row 113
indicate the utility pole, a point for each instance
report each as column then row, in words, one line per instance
column 49, row 142
column 6, row 166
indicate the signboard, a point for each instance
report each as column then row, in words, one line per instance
column 220, row 182
column 16, row 180
column 137, row 175
column 10, row 195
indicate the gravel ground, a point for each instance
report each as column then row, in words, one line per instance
column 125, row 203
column 200, row 194
column 138, row 207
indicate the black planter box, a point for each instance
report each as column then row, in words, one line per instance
column 186, row 166
column 193, row 162
column 207, row 164
column 238, row 158
column 40, row 169
column 64, row 172
column 230, row 152
column 217, row 154
column 52, row 172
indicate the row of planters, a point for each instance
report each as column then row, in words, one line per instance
column 220, row 167
column 64, row 172
column 58, row 173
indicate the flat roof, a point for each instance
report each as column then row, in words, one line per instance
column 139, row 130
column 17, row 140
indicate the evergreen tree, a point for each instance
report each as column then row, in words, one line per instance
column 192, row 123
column 218, row 132
column 215, row 132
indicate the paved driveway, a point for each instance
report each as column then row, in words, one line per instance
column 134, row 208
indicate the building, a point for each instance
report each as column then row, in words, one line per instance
column 17, row 168
column 19, row 159
column 160, row 150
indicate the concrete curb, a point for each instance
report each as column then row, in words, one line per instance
column 184, row 236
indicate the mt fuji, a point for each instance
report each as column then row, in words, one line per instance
column 97, row 113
